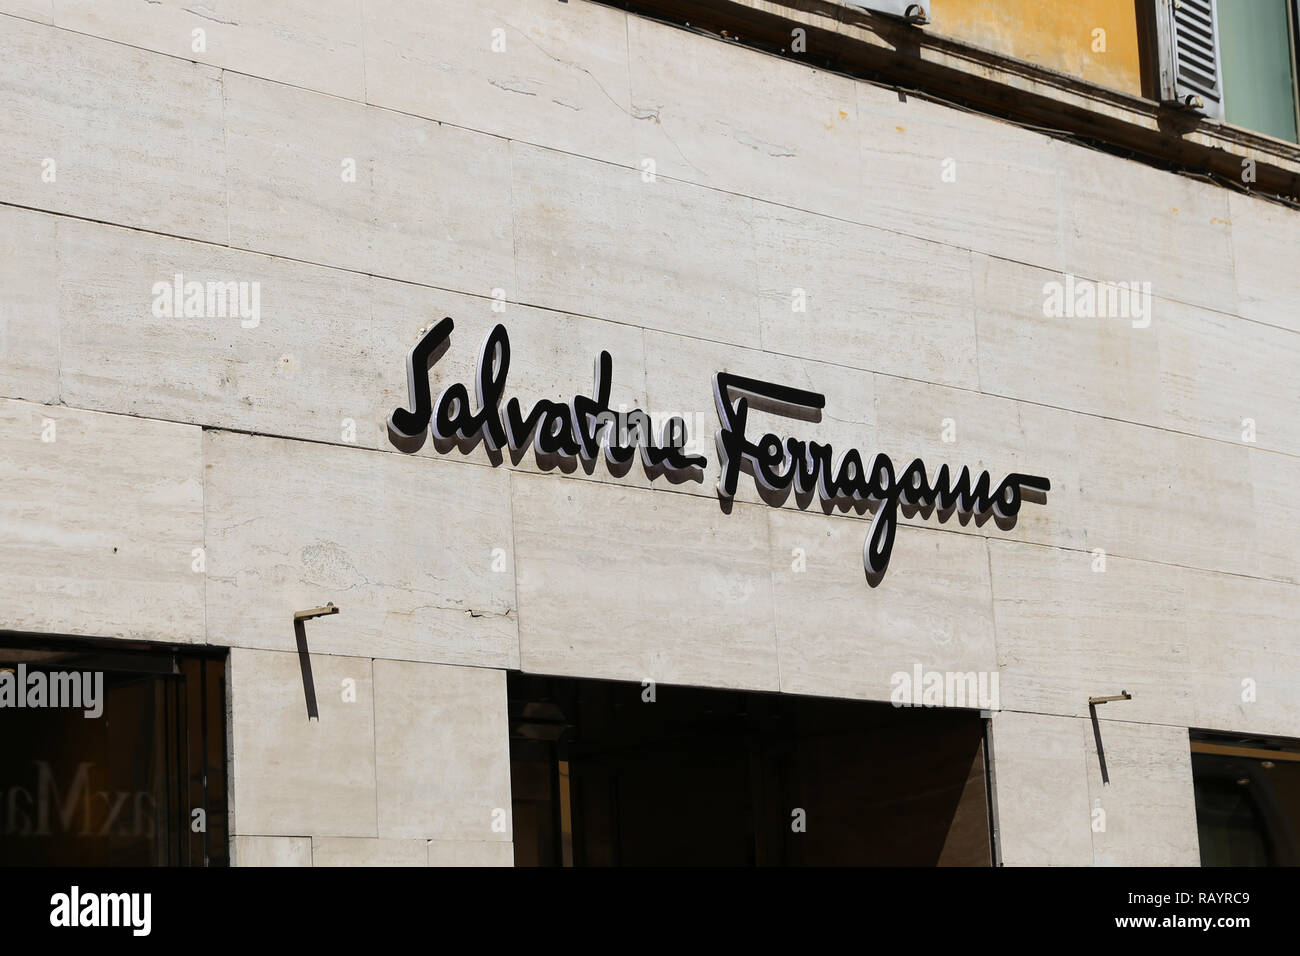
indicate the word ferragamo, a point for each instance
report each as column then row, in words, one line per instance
column 586, row 428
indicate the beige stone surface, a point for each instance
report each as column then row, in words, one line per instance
column 358, row 851
column 136, row 138
column 1163, row 496
column 627, row 584
column 272, row 851
column 1056, row 809
column 442, row 752
column 430, row 203
column 958, row 178
column 314, row 44
column 1042, row 790
column 838, row 637
column 324, row 359
column 561, row 79
column 1132, row 490
column 404, row 546
column 29, row 324
column 1273, row 480
column 1146, row 795
column 1264, row 239
column 470, row 853
column 102, row 524
column 289, row 773
column 1175, row 236
column 1245, row 665
column 1067, row 632
column 1098, row 366
column 41, row 10
column 873, row 299
column 724, row 116
column 916, row 420
column 596, row 239
column 1191, row 370
column 1218, row 370
column 302, row 366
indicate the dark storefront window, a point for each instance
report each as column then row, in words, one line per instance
column 710, row 777
column 142, row 784
column 1247, row 800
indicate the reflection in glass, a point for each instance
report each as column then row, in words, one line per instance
column 141, row 785
column 1247, row 801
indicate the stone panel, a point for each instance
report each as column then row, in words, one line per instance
column 272, row 851
column 1125, row 221
column 1265, row 236
column 103, row 519
column 954, row 177
column 442, row 752
column 1041, row 788
column 734, row 119
column 597, row 240
column 135, row 138
column 869, row 298
column 1147, row 796
column 291, row 773
column 404, row 546
column 314, row 44
column 354, row 851
column 470, row 853
column 429, row 203
column 839, row 637
column 626, row 584
column 29, row 318
column 556, row 75
column 1070, row 627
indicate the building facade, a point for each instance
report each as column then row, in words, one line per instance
column 611, row 621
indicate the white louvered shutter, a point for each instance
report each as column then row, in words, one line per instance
column 1188, row 34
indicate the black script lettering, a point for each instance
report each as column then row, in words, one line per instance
column 1008, row 497
column 556, row 431
column 490, row 384
column 961, row 496
column 591, row 414
column 775, row 465
column 850, row 481
column 404, row 425
column 734, row 449
column 451, row 415
column 586, row 427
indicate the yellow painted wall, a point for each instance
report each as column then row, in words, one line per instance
column 1051, row 33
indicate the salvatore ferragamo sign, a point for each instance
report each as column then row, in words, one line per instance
column 587, row 428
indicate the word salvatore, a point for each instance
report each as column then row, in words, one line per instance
column 586, row 428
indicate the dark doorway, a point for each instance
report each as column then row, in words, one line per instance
column 143, row 783
column 1247, row 799
column 603, row 776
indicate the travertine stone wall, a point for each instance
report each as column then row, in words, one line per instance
column 206, row 477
